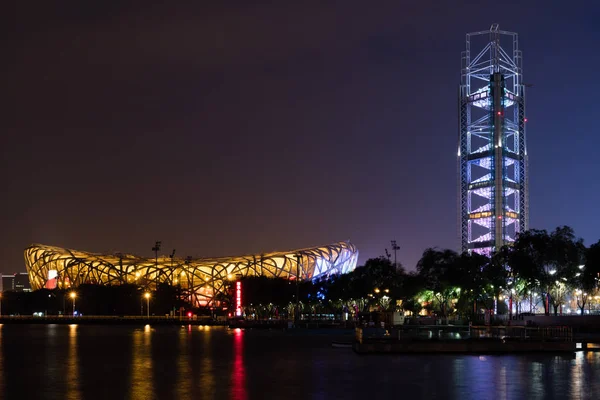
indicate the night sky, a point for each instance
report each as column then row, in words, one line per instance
column 247, row 128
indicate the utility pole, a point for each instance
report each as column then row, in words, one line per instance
column 156, row 249
column 171, row 257
column 297, row 311
column 187, row 261
column 395, row 247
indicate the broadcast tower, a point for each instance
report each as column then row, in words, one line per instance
column 492, row 155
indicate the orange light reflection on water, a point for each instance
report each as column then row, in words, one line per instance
column 72, row 375
column 142, row 386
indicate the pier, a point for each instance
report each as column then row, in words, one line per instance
column 465, row 339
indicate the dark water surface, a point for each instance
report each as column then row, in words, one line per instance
column 191, row 362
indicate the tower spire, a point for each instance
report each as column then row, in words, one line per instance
column 492, row 157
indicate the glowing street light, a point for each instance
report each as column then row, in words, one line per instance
column 73, row 295
column 147, row 296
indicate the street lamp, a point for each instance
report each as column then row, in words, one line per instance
column 156, row 249
column 395, row 247
column 73, row 295
column 297, row 309
column 171, row 256
column 147, row 296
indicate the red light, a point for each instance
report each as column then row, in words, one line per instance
column 525, row 120
column 499, row 113
column 238, row 298
column 190, row 314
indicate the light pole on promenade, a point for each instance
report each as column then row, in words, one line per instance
column 395, row 247
column 172, row 256
column 73, row 296
column 156, row 249
column 297, row 311
column 147, row 296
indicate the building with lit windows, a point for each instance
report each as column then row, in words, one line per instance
column 18, row 282
column 200, row 279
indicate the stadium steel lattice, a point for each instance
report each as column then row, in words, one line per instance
column 200, row 279
column 492, row 155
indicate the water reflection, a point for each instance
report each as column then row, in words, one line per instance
column 501, row 388
column 142, row 387
column 238, row 373
column 184, row 370
column 207, row 370
column 1, row 362
column 62, row 362
column 535, row 374
column 72, row 378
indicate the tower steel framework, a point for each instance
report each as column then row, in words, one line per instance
column 492, row 154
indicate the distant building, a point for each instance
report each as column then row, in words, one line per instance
column 201, row 279
column 8, row 282
column 18, row 282
column 21, row 282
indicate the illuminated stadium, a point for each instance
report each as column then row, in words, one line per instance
column 200, row 279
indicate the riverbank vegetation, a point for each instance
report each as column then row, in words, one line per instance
column 541, row 272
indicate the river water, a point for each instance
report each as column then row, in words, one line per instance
column 195, row 362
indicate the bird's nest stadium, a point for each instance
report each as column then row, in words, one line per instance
column 200, row 279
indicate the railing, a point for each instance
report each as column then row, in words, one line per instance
column 158, row 317
column 205, row 319
column 462, row 332
column 551, row 333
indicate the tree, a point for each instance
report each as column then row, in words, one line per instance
column 528, row 260
column 590, row 276
column 565, row 256
column 547, row 261
column 586, row 279
column 436, row 268
column 471, row 275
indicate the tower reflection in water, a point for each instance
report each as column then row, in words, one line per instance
column 238, row 372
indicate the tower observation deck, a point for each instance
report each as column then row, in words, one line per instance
column 492, row 155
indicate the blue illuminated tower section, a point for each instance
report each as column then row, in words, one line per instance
column 492, row 155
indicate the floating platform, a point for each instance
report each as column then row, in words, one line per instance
column 469, row 339
column 461, row 346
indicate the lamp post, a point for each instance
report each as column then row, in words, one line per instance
column 156, row 249
column 395, row 247
column 73, row 295
column 147, row 296
column 297, row 311
column 189, row 295
column 171, row 257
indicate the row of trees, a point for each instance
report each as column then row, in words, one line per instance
column 91, row 299
column 539, row 267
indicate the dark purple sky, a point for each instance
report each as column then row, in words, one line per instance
column 250, row 128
